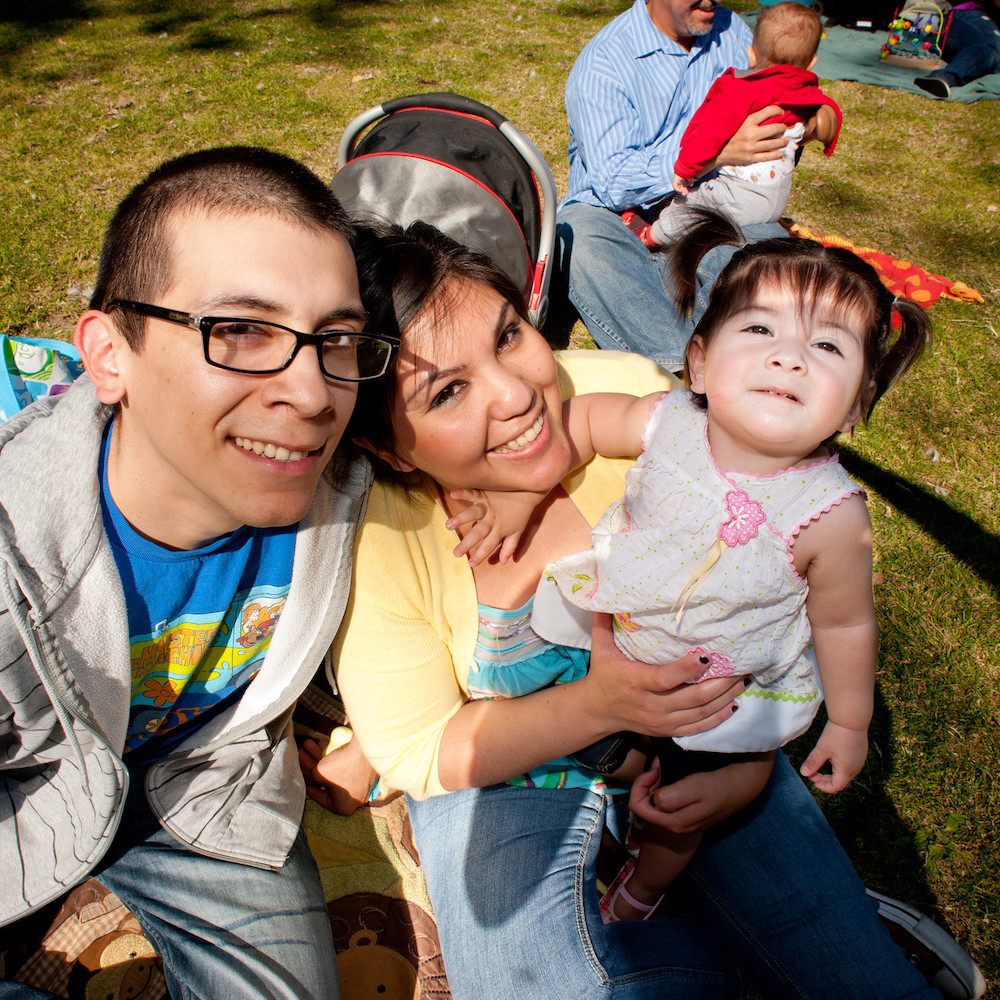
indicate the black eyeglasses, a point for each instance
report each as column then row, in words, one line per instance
column 253, row 347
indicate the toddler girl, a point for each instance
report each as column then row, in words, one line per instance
column 740, row 537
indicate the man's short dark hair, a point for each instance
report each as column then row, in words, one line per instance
column 137, row 254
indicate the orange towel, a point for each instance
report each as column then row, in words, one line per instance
column 901, row 277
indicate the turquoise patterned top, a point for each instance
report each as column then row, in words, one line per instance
column 511, row 659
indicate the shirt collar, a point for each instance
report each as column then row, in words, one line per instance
column 647, row 38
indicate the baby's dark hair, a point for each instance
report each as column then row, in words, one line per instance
column 813, row 272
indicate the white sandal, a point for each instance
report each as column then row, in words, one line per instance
column 616, row 889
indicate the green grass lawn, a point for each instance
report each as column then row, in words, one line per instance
column 94, row 94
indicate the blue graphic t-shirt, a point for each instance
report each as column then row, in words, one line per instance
column 199, row 621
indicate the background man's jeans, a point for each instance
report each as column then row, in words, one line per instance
column 972, row 48
column 617, row 284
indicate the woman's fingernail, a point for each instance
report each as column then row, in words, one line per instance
column 652, row 801
column 736, row 708
column 748, row 680
column 705, row 660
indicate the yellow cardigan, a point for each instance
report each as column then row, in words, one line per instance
column 408, row 637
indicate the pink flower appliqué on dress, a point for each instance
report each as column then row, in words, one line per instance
column 719, row 665
column 744, row 516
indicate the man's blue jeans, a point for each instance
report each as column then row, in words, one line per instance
column 511, row 874
column 617, row 285
column 223, row 930
column 972, row 48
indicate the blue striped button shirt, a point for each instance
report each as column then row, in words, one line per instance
column 629, row 97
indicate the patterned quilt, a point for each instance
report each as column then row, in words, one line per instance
column 89, row 947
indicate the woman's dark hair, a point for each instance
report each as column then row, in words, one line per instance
column 812, row 272
column 403, row 273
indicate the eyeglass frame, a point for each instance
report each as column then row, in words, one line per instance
column 204, row 324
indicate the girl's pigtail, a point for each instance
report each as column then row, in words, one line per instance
column 916, row 331
column 706, row 231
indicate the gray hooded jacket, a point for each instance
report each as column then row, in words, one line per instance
column 234, row 790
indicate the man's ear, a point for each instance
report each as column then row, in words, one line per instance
column 696, row 363
column 100, row 344
column 751, row 58
column 386, row 455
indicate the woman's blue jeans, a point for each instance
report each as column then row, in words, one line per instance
column 511, row 874
column 972, row 48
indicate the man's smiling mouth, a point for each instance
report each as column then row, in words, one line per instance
column 270, row 450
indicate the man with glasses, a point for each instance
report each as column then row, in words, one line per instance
column 176, row 539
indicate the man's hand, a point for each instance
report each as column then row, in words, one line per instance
column 755, row 142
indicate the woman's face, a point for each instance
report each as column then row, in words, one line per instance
column 477, row 403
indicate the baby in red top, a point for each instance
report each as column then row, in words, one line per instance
column 780, row 73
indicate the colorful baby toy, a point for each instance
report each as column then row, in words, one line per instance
column 917, row 35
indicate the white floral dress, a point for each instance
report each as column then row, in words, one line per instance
column 697, row 559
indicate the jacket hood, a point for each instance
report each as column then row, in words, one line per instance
column 50, row 450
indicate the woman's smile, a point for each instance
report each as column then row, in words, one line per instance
column 522, row 440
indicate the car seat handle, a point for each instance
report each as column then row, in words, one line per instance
column 445, row 102
column 439, row 101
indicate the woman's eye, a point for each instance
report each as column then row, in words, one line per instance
column 509, row 336
column 447, row 394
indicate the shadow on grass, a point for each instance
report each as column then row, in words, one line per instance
column 883, row 846
column 586, row 11
column 24, row 23
column 346, row 14
column 880, row 843
column 966, row 540
column 210, row 23
column 42, row 12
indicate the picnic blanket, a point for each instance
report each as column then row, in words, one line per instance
column 845, row 54
column 901, row 277
column 89, row 947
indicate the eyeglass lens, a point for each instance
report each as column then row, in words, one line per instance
column 259, row 347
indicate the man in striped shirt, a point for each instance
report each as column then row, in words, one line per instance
column 629, row 98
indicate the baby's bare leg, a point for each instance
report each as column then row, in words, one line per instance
column 662, row 857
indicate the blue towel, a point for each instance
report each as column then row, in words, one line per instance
column 853, row 55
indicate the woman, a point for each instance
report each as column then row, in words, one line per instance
column 435, row 666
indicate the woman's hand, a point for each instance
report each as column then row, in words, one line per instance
column 699, row 801
column 617, row 693
column 655, row 699
column 339, row 780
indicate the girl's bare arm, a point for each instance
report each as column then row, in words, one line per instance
column 845, row 635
